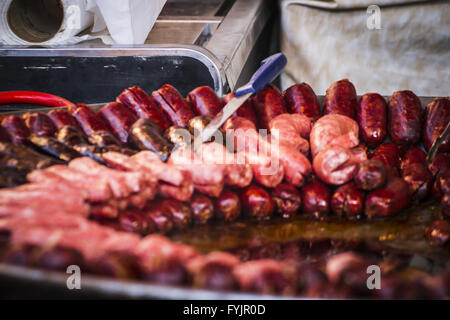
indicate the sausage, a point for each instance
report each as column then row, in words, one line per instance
column 389, row 200
column 16, row 129
column 198, row 124
column 53, row 147
column 441, row 184
column 147, row 135
column 268, row 104
column 59, row 258
column 390, row 154
column 202, row 208
column 404, row 118
column 348, row 201
column 23, row 159
column 39, row 124
column 172, row 103
column 316, row 199
column 437, row 116
column 340, row 98
column 61, row 118
column 88, row 120
column 114, row 264
column 440, row 164
column 204, row 101
column 119, row 119
column 438, row 233
column 133, row 221
column 180, row 137
column 416, row 174
column 214, row 271
column 179, row 212
column 246, row 110
column 143, row 106
column 371, row 115
column 158, row 217
column 103, row 139
column 71, row 136
column 300, row 98
column 256, row 202
column 287, row 200
column 371, row 175
column 227, row 206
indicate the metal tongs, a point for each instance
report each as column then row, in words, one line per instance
column 437, row 143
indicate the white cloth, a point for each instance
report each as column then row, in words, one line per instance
column 410, row 51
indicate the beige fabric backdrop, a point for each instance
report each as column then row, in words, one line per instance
column 410, row 51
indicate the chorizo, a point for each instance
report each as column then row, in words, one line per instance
column 268, row 104
column 316, row 199
column 300, row 98
column 227, row 206
column 256, row 202
column 437, row 116
column 348, row 201
column 16, row 129
column 39, row 124
column 287, row 200
column 119, row 119
column 371, row 115
column 246, row 110
column 340, row 98
column 204, row 101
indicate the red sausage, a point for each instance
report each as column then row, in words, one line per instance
column 39, row 124
column 340, row 98
column 133, row 221
column 16, row 128
column 287, row 200
column 437, row 116
column 300, row 98
column 316, row 199
column 202, row 208
column 175, row 107
column 268, row 104
column 88, row 120
column 256, row 202
column 390, row 155
column 348, row 201
column 119, row 119
column 143, row 106
column 158, row 217
column 204, row 101
column 416, row 174
column 62, row 118
column 180, row 213
column 227, row 206
column 370, row 175
column 404, row 119
column 388, row 201
column 440, row 164
column 371, row 115
column 246, row 110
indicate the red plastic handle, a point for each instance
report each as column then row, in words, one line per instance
column 32, row 97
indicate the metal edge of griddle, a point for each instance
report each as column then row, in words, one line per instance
column 235, row 37
column 203, row 55
column 92, row 284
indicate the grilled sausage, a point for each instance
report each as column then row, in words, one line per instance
column 146, row 135
column 175, row 107
column 348, row 201
column 119, row 119
column 204, row 101
column 133, row 221
column 371, row 115
column 227, row 206
column 88, row 120
column 437, row 116
column 180, row 213
column 53, row 147
column 390, row 155
column 287, row 200
column 202, row 208
column 389, row 200
column 61, row 118
column 416, row 174
column 340, row 98
column 371, row 175
column 404, row 118
column 16, row 129
column 143, row 106
column 39, row 124
column 268, row 104
column 246, row 110
column 256, row 202
column 159, row 217
column 300, row 98
column 316, row 199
